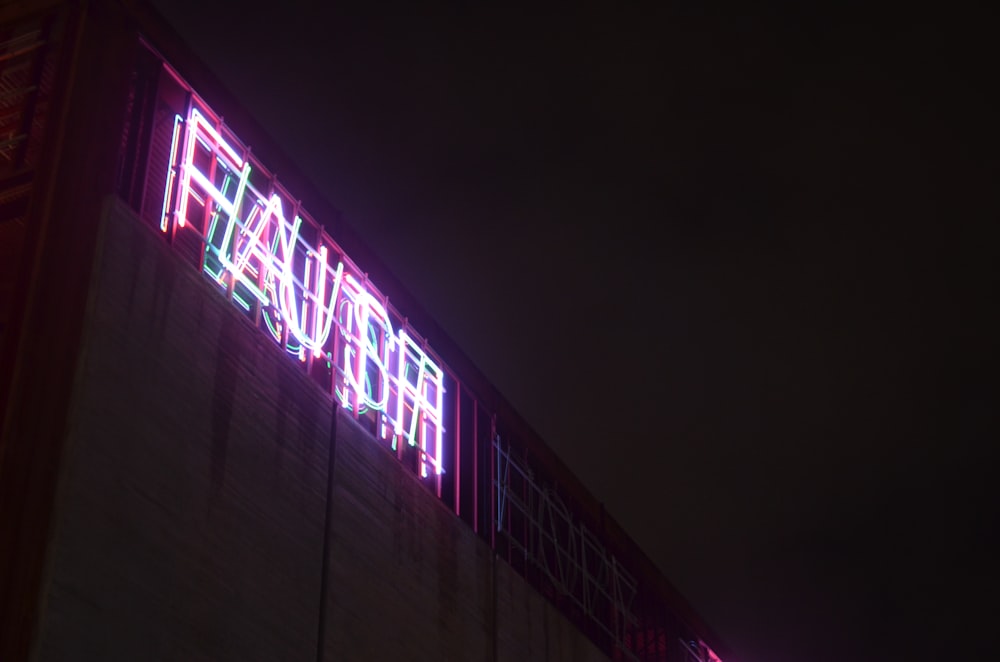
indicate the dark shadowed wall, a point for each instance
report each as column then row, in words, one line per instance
column 192, row 503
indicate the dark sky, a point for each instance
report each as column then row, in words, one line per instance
column 732, row 264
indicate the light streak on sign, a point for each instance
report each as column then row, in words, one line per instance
column 260, row 249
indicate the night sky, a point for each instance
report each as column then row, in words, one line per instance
column 733, row 265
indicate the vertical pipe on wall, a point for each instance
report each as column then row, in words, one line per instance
column 475, row 465
column 493, row 604
column 325, row 573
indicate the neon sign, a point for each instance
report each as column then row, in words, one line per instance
column 281, row 267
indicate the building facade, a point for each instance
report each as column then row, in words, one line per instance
column 228, row 431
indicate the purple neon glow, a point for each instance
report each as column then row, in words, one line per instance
column 313, row 301
column 380, row 368
column 171, row 173
column 369, row 314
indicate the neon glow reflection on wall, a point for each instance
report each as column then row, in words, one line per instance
column 259, row 249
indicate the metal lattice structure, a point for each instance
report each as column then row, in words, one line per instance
column 24, row 87
column 535, row 524
column 26, row 72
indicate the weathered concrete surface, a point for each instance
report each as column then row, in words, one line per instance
column 192, row 503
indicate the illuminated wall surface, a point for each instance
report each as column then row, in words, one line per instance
column 236, row 356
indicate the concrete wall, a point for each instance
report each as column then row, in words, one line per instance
column 192, row 503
